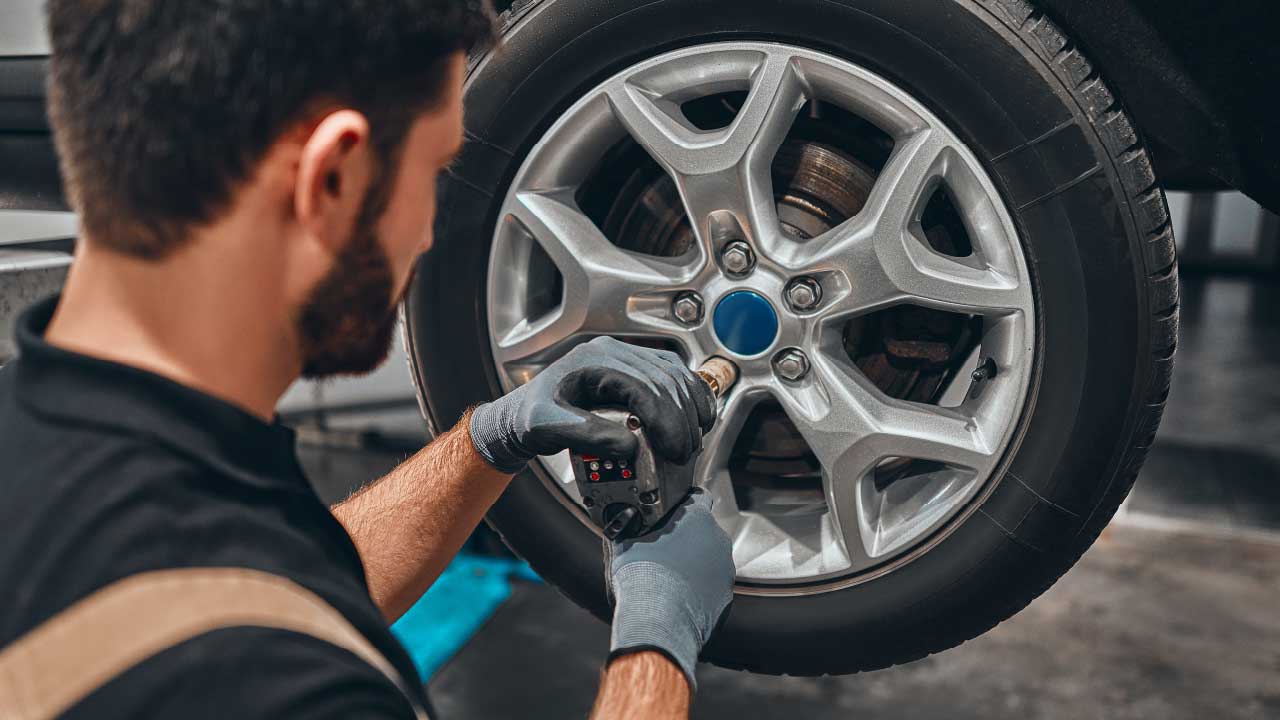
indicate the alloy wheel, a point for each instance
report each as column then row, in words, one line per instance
column 884, row 448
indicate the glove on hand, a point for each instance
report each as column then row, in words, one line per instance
column 550, row 413
column 672, row 585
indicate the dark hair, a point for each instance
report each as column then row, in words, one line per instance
column 160, row 108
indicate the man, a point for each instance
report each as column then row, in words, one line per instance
column 255, row 179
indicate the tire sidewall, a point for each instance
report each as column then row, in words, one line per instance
column 958, row 59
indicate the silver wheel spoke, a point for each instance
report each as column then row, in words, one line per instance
column 712, row 471
column 850, row 426
column 894, row 270
column 724, row 170
column 607, row 290
column 890, row 264
column 912, row 170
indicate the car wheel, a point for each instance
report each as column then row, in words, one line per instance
column 927, row 234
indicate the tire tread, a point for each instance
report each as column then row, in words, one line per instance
column 1150, row 214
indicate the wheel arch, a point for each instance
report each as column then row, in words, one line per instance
column 1195, row 103
column 1194, row 100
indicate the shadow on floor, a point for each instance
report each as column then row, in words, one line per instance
column 1232, row 487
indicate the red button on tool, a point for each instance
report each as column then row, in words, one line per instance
column 626, row 474
column 595, row 476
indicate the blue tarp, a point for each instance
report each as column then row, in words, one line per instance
column 460, row 601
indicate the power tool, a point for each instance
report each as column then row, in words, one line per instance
column 628, row 497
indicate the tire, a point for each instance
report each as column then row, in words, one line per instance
column 1095, row 231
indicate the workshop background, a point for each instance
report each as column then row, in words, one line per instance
column 1172, row 614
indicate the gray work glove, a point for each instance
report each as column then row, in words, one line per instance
column 671, row 586
column 549, row 413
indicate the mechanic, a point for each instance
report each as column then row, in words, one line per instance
column 255, row 180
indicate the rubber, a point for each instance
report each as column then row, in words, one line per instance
column 1095, row 228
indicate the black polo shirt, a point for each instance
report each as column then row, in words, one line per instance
column 107, row 471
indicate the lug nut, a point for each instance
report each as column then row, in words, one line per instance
column 687, row 307
column 738, row 258
column 791, row 364
column 804, row 293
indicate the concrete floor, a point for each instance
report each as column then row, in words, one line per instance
column 1150, row 624
column 1172, row 614
column 1217, row 457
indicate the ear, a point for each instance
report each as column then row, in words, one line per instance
column 333, row 175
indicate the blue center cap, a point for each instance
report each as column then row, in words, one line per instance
column 745, row 322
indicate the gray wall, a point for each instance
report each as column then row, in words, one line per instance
column 22, row 30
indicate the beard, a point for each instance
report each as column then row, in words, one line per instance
column 347, row 324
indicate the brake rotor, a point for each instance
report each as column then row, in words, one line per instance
column 816, row 187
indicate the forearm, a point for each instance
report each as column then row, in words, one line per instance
column 410, row 523
column 644, row 684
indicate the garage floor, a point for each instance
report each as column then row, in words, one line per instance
column 1172, row 614
column 1151, row 624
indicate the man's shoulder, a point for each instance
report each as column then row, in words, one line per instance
column 247, row 673
column 58, row 477
column 87, row 506
column 35, row 447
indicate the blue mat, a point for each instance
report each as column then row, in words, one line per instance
column 460, row 601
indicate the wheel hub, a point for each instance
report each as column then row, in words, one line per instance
column 745, row 323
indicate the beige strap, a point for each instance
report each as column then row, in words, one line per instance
column 85, row 646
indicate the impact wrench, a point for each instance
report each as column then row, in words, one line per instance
column 627, row 497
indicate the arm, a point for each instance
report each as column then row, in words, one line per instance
column 670, row 589
column 409, row 524
column 643, row 684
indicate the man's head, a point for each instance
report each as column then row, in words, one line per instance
column 328, row 119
